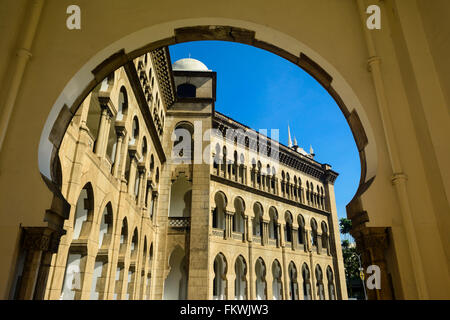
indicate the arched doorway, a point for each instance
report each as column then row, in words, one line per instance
column 175, row 285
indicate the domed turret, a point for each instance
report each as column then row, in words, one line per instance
column 189, row 64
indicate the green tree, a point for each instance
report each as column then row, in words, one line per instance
column 351, row 263
column 345, row 225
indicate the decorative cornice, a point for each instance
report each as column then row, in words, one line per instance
column 130, row 69
column 41, row 239
column 163, row 67
column 285, row 155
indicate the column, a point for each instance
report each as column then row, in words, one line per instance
column 228, row 224
column 142, row 184
column 294, row 238
column 39, row 243
column 372, row 243
column 103, row 131
column 265, row 229
column 132, row 174
column 120, row 131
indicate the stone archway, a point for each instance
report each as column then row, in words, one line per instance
column 291, row 33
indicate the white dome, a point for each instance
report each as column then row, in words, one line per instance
column 189, row 64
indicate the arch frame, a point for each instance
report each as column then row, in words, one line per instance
column 132, row 46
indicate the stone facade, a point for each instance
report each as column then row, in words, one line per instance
column 218, row 219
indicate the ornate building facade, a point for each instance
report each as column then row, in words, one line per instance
column 170, row 198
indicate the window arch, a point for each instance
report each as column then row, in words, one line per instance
column 123, row 104
column 144, row 147
column 134, row 131
column 183, row 143
column 306, row 282
column 157, row 175
column 240, row 282
column 277, row 284
column 260, row 272
column 313, row 232
column 273, row 223
column 330, row 278
column 257, row 219
column 238, row 217
column 319, row 283
column 218, row 218
column 325, row 237
column 301, row 230
column 288, row 226
column 123, row 237
column 293, row 284
column 106, row 227
column 220, row 277
column 84, row 213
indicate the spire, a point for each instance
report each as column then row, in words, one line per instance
column 311, row 150
column 295, row 141
column 289, row 138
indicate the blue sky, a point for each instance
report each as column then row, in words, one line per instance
column 265, row 91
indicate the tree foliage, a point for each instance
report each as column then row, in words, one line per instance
column 351, row 263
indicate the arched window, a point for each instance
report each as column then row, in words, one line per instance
column 218, row 220
column 313, row 232
column 134, row 244
column 76, row 259
column 306, row 282
column 257, row 225
column 84, row 213
column 293, row 284
column 144, row 148
column 183, row 143
column 260, row 272
column 134, row 131
column 319, row 283
column 238, row 217
column 331, row 291
column 122, row 105
column 277, row 284
column 240, row 282
column 288, row 226
column 220, row 279
column 324, row 236
column 157, row 176
column 301, row 230
column 273, row 223
column 175, row 285
column 186, row 90
column 180, row 197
